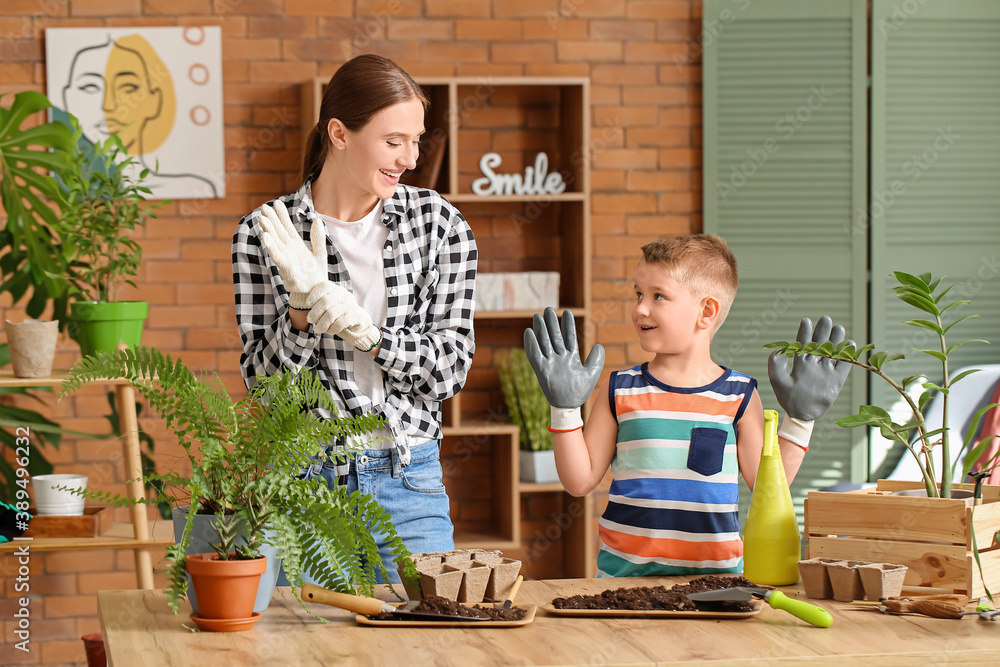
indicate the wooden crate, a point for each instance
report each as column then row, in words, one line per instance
column 930, row 536
column 93, row 522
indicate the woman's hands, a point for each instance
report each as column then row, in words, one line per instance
column 332, row 309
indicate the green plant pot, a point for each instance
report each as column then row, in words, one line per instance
column 102, row 326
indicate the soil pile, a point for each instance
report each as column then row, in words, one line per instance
column 435, row 604
column 661, row 598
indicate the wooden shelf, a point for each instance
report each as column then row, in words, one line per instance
column 465, row 540
column 465, row 197
column 578, row 313
column 136, row 535
column 550, row 487
column 118, row 536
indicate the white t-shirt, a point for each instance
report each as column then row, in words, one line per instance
column 360, row 245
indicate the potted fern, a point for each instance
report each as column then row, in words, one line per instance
column 245, row 458
column 529, row 409
column 935, row 536
column 102, row 200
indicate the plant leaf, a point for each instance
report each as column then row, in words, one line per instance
column 967, row 317
column 937, row 354
column 926, row 324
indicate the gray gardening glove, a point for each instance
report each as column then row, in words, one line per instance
column 813, row 384
column 554, row 355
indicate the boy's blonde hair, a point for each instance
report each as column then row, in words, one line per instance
column 703, row 263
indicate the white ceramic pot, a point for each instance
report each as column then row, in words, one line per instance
column 538, row 467
column 50, row 501
column 32, row 347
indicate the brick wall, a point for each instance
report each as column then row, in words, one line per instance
column 643, row 60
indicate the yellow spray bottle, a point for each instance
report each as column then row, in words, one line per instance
column 771, row 544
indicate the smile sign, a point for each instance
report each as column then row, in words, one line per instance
column 535, row 181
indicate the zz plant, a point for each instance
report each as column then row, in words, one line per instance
column 927, row 295
column 525, row 400
column 246, row 457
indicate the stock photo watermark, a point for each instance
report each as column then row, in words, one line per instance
column 914, row 168
column 22, row 581
column 785, row 127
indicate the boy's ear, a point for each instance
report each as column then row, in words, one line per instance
column 710, row 309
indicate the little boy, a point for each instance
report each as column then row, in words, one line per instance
column 678, row 429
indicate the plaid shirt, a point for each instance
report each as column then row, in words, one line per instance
column 429, row 264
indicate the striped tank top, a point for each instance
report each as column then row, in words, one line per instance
column 673, row 506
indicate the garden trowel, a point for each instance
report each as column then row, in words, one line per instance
column 809, row 613
column 373, row 606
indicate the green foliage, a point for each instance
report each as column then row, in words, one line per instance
column 246, row 457
column 921, row 292
column 525, row 400
column 30, row 256
column 102, row 202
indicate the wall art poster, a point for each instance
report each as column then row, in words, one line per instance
column 160, row 89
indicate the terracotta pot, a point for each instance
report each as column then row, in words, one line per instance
column 226, row 589
column 32, row 347
column 93, row 644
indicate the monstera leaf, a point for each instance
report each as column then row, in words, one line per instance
column 28, row 253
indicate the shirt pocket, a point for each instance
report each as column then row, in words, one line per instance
column 423, row 289
column 708, row 447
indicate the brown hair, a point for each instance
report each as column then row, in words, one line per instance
column 703, row 263
column 361, row 88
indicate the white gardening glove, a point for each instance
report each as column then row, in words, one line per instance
column 336, row 312
column 301, row 269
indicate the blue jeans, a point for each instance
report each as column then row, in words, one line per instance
column 414, row 495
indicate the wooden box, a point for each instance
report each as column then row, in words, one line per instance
column 930, row 536
column 94, row 521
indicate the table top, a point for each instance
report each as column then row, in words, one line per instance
column 139, row 629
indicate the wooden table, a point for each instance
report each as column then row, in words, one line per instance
column 139, row 629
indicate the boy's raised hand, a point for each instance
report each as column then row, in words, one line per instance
column 813, row 384
column 554, row 355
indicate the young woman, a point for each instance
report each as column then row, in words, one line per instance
column 369, row 283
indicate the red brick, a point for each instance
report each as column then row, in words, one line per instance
column 168, row 317
column 318, row 8
column 271, row 27
column 606, row 180
column 248, row 7
column 628, row 31
column 654, row 52
column 523, row 52
column 455, row 51
column 679, row 202
column 624, row 203
column 34, row 8
column 389, row 9
column 668, row 137
column 456, row 8
column 279, row 72
column 66, row 651
column 250, row 49
column 626, row 158
column 176, row 7
column 659, row 9
column 103, row 581
column 491, row 30
column 421, row 29
column 626, row 116
column 557, row 69
column 589, row 50
column 64, row 606
column 657, row 225
column 525, row 8
column 555, row 29
column 658, row 181
column 105, row 7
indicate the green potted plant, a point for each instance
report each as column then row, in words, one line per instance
column 529, row 409
column 32, row 264
column 103, row 200
column 938, row 547
column 246, row 457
